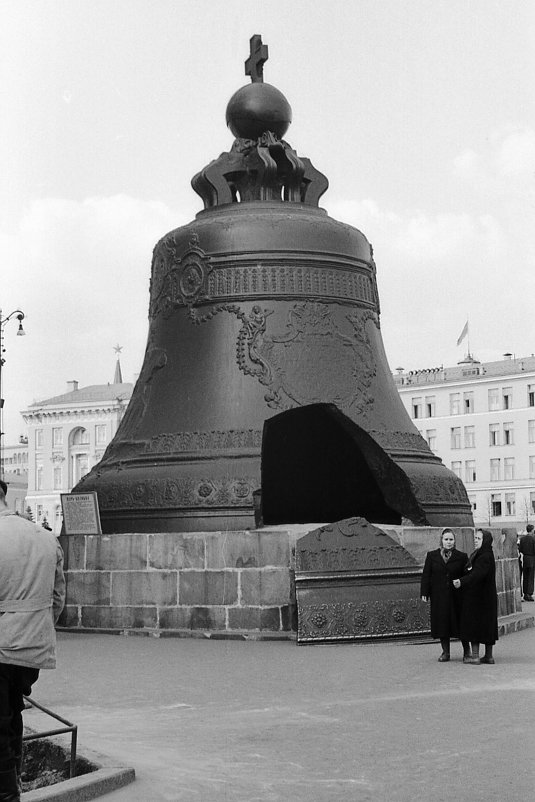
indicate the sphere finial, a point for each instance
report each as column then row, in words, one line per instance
column 258, row 107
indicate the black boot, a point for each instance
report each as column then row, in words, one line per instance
column 9, row 786
column 488, row 659
column 445, row 656
column 474, row 659
column 466, row 649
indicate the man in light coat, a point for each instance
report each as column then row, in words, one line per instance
column 32, row 595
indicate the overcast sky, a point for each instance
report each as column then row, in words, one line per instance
column 420, row 113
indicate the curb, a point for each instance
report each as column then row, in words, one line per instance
column 201, row 634
column 515, row 622
column 108, row 777
column 506, row 624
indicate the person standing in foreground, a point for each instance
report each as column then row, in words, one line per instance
column 479, row 607
column 441, row 567
column 526, row 547
column 32, row 595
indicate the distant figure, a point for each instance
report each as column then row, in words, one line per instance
column 441, row 567
column 526, row 547
column 32, row 595
column 479, row 609
column 519, row 559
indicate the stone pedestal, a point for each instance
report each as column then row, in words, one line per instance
column 222, row 584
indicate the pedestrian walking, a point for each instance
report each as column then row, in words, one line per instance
column 526, row 547
column 32, row 595
column 441, row 567
column 479, row 600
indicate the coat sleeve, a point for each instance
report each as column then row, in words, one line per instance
column 425, row 584
column 480, row 570
column 58, row 599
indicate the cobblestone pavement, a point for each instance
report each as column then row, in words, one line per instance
column 218, row 721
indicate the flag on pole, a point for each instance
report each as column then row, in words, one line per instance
column 463, row 333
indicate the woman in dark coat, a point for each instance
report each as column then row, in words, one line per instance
column 441, row 567
column 479, row 607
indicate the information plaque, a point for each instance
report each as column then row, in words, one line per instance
column 80, row 514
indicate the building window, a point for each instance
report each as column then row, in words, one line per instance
column 431, row 437
column 430, row 406
column 495, row 470
column 80, row 466
column 58, row 477
column 468, row 401
column 510, row 505
column 473, row 503
column 455, row 403
column 496, row 505
column 494, row 399
column 531, row 431
column 78, row 455
column 456, row 467
column 469, row 436
column 100, row 433
column 57, row 436
column 39, row 512
column 38, row 438
column 470, row 470
column 38, row 475
column 507, row 398
column 455, row 437
column 508, row 434
column 80, row 437
column 531, row 395
column 509, row 468
column 532, row 501
column 494, row 434
column 532, row 467
column 417, row 407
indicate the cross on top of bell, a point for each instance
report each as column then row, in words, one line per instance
column 254, row 66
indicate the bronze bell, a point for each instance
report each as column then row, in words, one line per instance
column 265, row 390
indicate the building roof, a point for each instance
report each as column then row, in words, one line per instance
column 93, row 394
column 469, row 369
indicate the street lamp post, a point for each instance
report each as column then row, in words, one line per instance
column 18, row 315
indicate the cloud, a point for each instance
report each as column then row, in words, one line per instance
column 80, row 270
column 434, row 270
column 466, row 163
column 505, row 168
column 515, row 155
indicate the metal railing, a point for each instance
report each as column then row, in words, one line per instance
column 72, row 728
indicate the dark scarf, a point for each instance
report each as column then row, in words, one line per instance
column 485, row 546
column 446, row 554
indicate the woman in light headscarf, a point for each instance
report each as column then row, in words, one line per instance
column 442, row 566
column 479, row 608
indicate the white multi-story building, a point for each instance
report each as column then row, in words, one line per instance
column 67, row 436
column 14, row 471
column 479, row 418
column 15, row 457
